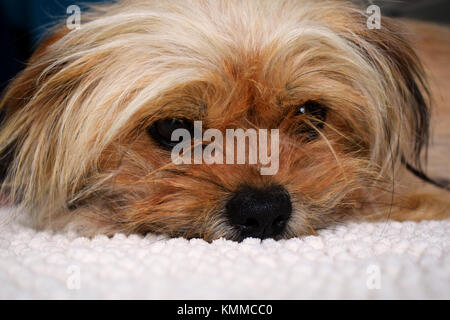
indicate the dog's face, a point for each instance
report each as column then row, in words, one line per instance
column 89, row 122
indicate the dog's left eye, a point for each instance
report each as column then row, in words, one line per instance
column 315, row 113
column 161, row 130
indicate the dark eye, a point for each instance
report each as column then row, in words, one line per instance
column 161, row 130
column 316, row 115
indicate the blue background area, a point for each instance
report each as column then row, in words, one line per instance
column 36, row 15
column 23, row 24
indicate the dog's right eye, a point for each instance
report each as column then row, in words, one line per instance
column 316, row 114
column 161, row 130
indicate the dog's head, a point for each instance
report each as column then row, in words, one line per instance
column 89, row 122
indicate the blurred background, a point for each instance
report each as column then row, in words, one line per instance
column 23, row 24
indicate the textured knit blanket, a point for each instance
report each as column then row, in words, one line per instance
column 385, row 260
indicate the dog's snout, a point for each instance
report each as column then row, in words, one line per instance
column 260, row 213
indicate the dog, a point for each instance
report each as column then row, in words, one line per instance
column 87, row 130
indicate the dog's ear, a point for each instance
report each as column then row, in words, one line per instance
column 407, row 113
column 18, row 94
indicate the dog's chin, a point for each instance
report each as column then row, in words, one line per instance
column 86, row 122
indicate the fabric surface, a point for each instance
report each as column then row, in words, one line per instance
column 352, row 261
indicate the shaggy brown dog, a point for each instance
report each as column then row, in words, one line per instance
column 87, row 132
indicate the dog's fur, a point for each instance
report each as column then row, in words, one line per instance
column 75, row 119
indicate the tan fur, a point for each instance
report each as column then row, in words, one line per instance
column 77, row 116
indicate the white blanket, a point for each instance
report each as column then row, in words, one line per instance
column 352, row 261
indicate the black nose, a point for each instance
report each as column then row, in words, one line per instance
column 260, row 213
